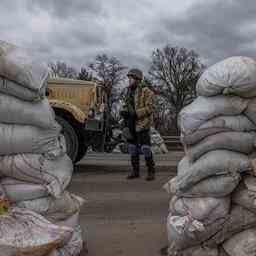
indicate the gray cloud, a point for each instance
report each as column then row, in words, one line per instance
column 216, row 29
column 75, row 31
column 65, row 9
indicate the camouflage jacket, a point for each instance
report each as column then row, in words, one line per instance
column 143, row 103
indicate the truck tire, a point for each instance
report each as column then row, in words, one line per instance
column 82, row 148
column 71, row 137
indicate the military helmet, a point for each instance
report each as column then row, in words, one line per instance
column 135, row 73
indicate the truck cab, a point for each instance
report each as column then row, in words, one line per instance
column 79, row 109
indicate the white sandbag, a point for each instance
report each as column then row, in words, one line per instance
column 76, row 243
column 222, row 252
column 197, row 251
column 16, row 190
column 234, row 141
column 54, row 175
column 20, row 65
column 54, row 209
column 17, row 139
column 250, row 110
column 27, row 233
column 238, row 220
column 234, row 75
column 185, row 232
column 71, row 221
column 241, row 244
column 245, row 194
column 212, row 163
column 203, row 109
column 11, row 88
column 239, row 123
column 215, row 186
column 206, row 210
column 16, row 111
column 73, row 247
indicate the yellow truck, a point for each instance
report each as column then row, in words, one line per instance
column 79, row 109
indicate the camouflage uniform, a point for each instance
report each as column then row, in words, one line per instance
column 139, row 110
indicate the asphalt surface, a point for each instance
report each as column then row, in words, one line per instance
column 123, row 217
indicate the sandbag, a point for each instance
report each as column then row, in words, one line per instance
column 54, row 175
column 238, row 220
column 241, row 244
column 206, row 210
column 70, row 222
column 54, row 209
column 11, row 88
column 16, row 139
column 235, row 141
column 203, row 109
column 212, row 163
column 22, row 67
column 76, row 243
column 239, row 123
column 73, row 247
column 197, row 251
column 245, row 194
column 185, row 232
column 27, row 233
column 16, row 111
column 234, row 75
column 250, row 110
column 222, row 252
column 215, row 186
column 16, row 190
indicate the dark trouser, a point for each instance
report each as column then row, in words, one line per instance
column 141, row 144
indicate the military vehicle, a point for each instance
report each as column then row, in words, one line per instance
column 79, row 109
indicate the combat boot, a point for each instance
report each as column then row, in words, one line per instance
column 135, row 173
column 151, row 169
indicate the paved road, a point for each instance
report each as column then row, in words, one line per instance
column 121, row 217
column 103, row 162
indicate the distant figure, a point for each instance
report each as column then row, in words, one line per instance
column 138, row 116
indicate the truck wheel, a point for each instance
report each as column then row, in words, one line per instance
column 71, row 138
column 81, row 149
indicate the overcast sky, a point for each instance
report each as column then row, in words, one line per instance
column 76, row 30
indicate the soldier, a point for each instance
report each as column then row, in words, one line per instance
column 137, row 113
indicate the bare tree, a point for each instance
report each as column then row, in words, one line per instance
column 174, row 72
column 110, row 73
column 84, row 74
column 62, row 69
